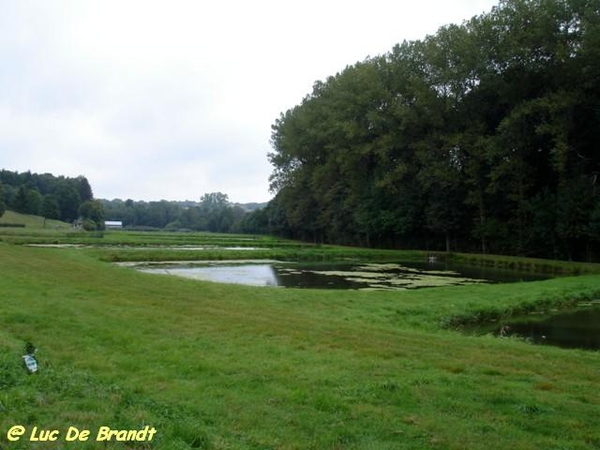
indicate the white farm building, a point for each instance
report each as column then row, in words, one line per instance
column 113, row 224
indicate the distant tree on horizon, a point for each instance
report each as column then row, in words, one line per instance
column 214, row 212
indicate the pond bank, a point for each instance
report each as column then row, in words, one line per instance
column 546, row 266
column 572, row 328
column 573, row 291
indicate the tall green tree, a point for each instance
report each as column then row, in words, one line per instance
column 2, row 203
column 215, row 212
column 478, row 135
column 20, row 201
column 68, row 201
column 92, row 211
column 84, row 189
column 50, row 208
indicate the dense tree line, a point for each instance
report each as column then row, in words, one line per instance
column 214, row 212
column 2, row 202
column 53, row 197
column 483, row 136
column 72, row 200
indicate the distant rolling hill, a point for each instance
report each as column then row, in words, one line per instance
column 251, row 206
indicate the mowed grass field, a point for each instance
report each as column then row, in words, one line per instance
column 232, row 367
column 29, row 221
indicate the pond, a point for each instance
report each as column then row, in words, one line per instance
column 572, row 329
column 338, row 275
column 579, row 328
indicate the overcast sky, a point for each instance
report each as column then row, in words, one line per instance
column 172, row 99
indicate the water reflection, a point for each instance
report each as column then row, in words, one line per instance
column 333, row 275
column 570, row 329
column 250, row 274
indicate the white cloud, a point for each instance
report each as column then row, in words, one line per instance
column 156, row 99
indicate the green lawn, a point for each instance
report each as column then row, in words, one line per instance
column 11, row 217
column 233, row 367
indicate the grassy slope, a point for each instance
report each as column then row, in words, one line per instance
column 225, row 367
column 32, row 221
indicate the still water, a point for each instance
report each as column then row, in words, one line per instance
column 579, row 328
column 380, row 276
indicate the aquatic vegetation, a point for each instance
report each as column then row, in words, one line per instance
column 384, row 276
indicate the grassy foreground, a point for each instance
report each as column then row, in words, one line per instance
column 232, row 367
